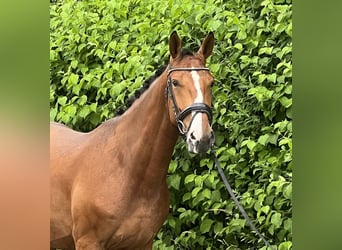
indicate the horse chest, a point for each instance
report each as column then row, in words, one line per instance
column 139, row 227
column 148, row 214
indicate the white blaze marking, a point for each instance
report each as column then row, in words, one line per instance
column 196, row 78
column 196, row 127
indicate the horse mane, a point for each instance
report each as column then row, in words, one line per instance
column 128, row 103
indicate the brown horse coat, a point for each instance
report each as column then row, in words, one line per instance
column 108, row 186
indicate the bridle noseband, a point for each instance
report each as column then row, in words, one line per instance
column 195, row 107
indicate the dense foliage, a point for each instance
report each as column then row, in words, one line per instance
column 102, row 51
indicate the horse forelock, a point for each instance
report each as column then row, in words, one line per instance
column 186, row 52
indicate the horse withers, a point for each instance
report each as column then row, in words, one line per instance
column 108, row 186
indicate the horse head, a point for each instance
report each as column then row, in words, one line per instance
column 189, row 88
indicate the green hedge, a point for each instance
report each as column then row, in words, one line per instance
column 102, row 51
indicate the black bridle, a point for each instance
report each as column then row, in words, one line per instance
column 195, row 107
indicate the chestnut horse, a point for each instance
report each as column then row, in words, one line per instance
column 108, row 186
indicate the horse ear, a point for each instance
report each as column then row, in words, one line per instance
column 207, row 46
column 175, row 45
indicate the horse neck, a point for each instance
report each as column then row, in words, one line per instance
column 150, row 136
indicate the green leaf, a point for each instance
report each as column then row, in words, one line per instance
column 53, row 113
column 93, row 107
column 285, row 245
column 189, row 178
column 82, row 100
column 287, row 191
column 266, row 50
column 173, row 166
column 74, row 64
column 175, row 181
column 199, row 197
column 284, row 141
column 289, row 113
column 265, row 209
column 62, row 100
column 210, row 181
column 231, row 151
column 216, row 196
column 218, row 227
column 242, row 35
column 172, row 222
column 199, row 180
column 238, row 46
column 206, row 225
column 273, row 138
column 115, row 90
column 286, row 102
column 251, row 144
column 214, row 24
column 186, row 197
column 112, row 45
column 263, row 140
column 261, row 78
column 276, row 219
column 215, row 67
column 238, row 223
column 84, row 112
column 272, row 77
column 195, row 191
column 73, row 79
column 206, row 193
column 70, row 110
column 288, row 225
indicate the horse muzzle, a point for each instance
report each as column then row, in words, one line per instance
column 199, row 134
column 200, row 137
column 201, row 145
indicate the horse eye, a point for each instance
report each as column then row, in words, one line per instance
column 175, row 83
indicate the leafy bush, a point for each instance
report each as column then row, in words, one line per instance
column 102, row 51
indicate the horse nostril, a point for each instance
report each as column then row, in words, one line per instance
column 192, row 137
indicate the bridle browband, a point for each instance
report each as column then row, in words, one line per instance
column 195, row 107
